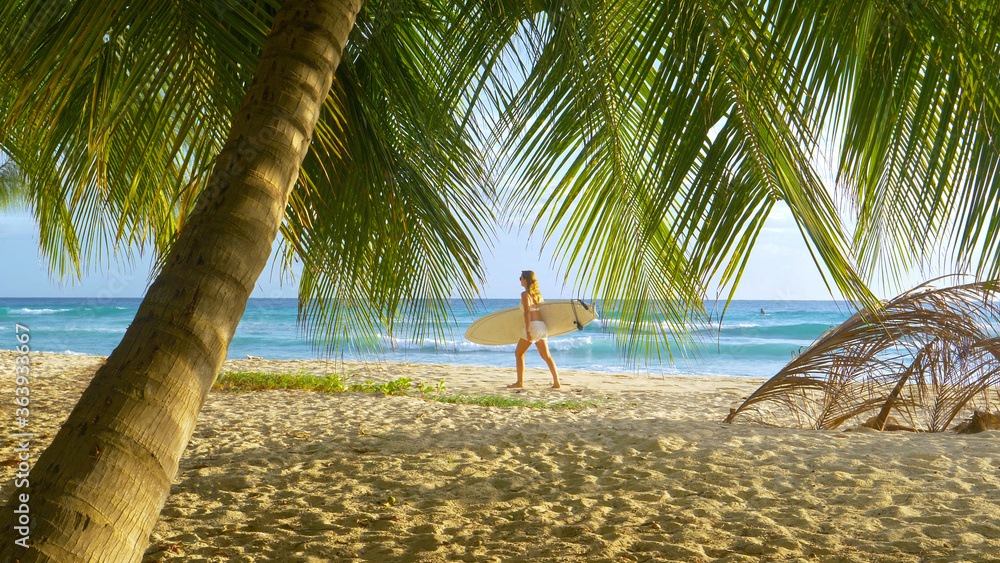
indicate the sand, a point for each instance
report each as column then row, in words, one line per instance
column 648, row 474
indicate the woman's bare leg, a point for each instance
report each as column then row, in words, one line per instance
column 522, row 347
column 543, row 351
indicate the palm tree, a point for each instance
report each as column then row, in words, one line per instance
column 654, row 138
column 121, row 444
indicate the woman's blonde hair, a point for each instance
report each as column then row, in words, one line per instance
column 533, row 291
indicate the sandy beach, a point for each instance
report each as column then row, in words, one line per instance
column 647, row 473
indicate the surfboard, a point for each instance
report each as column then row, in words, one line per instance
column 561, row 316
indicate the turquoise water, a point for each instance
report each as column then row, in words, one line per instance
column 746, row 344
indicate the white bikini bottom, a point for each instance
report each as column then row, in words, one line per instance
column 538, row 331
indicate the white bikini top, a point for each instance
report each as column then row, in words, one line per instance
column 533, row 308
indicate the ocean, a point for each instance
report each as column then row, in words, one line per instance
column 746, row 344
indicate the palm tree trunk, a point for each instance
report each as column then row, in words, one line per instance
column 96, row 492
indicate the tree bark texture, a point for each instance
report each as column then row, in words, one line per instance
column 97, row 490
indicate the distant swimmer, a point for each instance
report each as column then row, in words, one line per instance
column 762, row 312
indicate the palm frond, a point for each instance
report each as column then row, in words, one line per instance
column 927, row 356
column 920, row 150
column 115, row 111
column 13, row 194
column 642, row 147
column 393, row 198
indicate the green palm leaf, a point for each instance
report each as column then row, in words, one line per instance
column 640, row 141
column 115, row 112
column 393, row 199
column 920, row 151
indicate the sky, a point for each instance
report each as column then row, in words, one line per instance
column 780, row 268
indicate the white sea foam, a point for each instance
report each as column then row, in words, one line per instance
column 27, row 311
column 663, row 326
column 101, row 329
column 407, row 344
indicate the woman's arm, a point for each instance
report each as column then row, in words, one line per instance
column 527, row 314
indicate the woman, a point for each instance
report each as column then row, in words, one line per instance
column 534, row 330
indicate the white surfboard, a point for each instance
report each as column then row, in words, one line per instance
column 561, row 316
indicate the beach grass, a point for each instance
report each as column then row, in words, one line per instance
column 241, row 381
column 248, row 381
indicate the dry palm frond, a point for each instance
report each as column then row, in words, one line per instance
column 929, row 355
